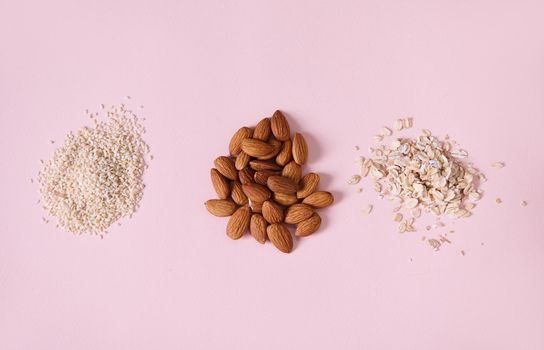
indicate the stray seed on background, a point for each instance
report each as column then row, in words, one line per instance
column 498, row 165
column 498, row 201
column 368, row 209
column 523, row 203
column 462, row 252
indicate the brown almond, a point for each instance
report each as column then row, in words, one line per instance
column 256, row 148
column 236, row 140
column 308, row 226
column 246, row 175
column 259, row 165
column 280, row 237
column 285, row 198
column 280, row 126
column 220, row 184
column 298, row 213
column 276, row 148
column 300, row 149
column 308, row 185
column 256, row 192
column 293, row 171
column 284, row 156
column 220, row 207
column 272, row 212
column 261, row 177
column 262, row 130
column 225, row 166
column 239, row 222
column 256, row 207
column 257, row 228
column 319, row 199
column 242, row 160
column 281, row 184
column 237, row 193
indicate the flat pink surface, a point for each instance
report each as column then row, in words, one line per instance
column 170, row 278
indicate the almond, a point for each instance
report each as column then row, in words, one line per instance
column 220, row 184
column 237, row 194
column 300, row 149
column 256, row 192
column 242, row 160
column 220, row 207
column 319, row 199
column 272, row 212
column 257, row 228
column 262, row 130
column 298, row 213
column 261, row 177
column 276, row 148
column 280, row 126
column 239, row 222
column 285, row 199
column 256, row 148
column 259, row 165
column 285, row 154
column 225, row 166
column 280, row 237
column 256, row 207
column 246, row 175
column 293, row 171
column 281, row 184
column 236, row 140
column 308, row 226
column 308, row 185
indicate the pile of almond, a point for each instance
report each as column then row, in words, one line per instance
column 261, row 187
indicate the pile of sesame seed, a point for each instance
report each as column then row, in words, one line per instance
column 95, row 177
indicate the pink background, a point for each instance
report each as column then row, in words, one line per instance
column 170, row 278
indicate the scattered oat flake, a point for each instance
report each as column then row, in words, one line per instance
column 368, row 209
column 498, row 200
column 399, row 124
column 498, row 165
column 354, row 179
column 435, row 244
column 397, row 217
column 359, row 190
column 385, row 131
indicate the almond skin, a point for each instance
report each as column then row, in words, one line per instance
column 308, row 226
column 256, row 207
column 257, row 228
column 259, row 165
column 220, row 207
column 236, row 140
column 272, row 212
column 308, row 185
column 261, row 177
column 285, row 154
column 276, row 148
column 319, row 199
column 262, row 130
column 242, row 160
column 256, row 192
column 280, row 237
column 300, row 149
column 225, row 166
column 246, row 175
column 281, row 184
column 237, row 194
column 285, row 199
column 256, row 148
column 293, row 171
column 220, row 184
column 239, row 222
column 280, row 126
column 298, row 213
